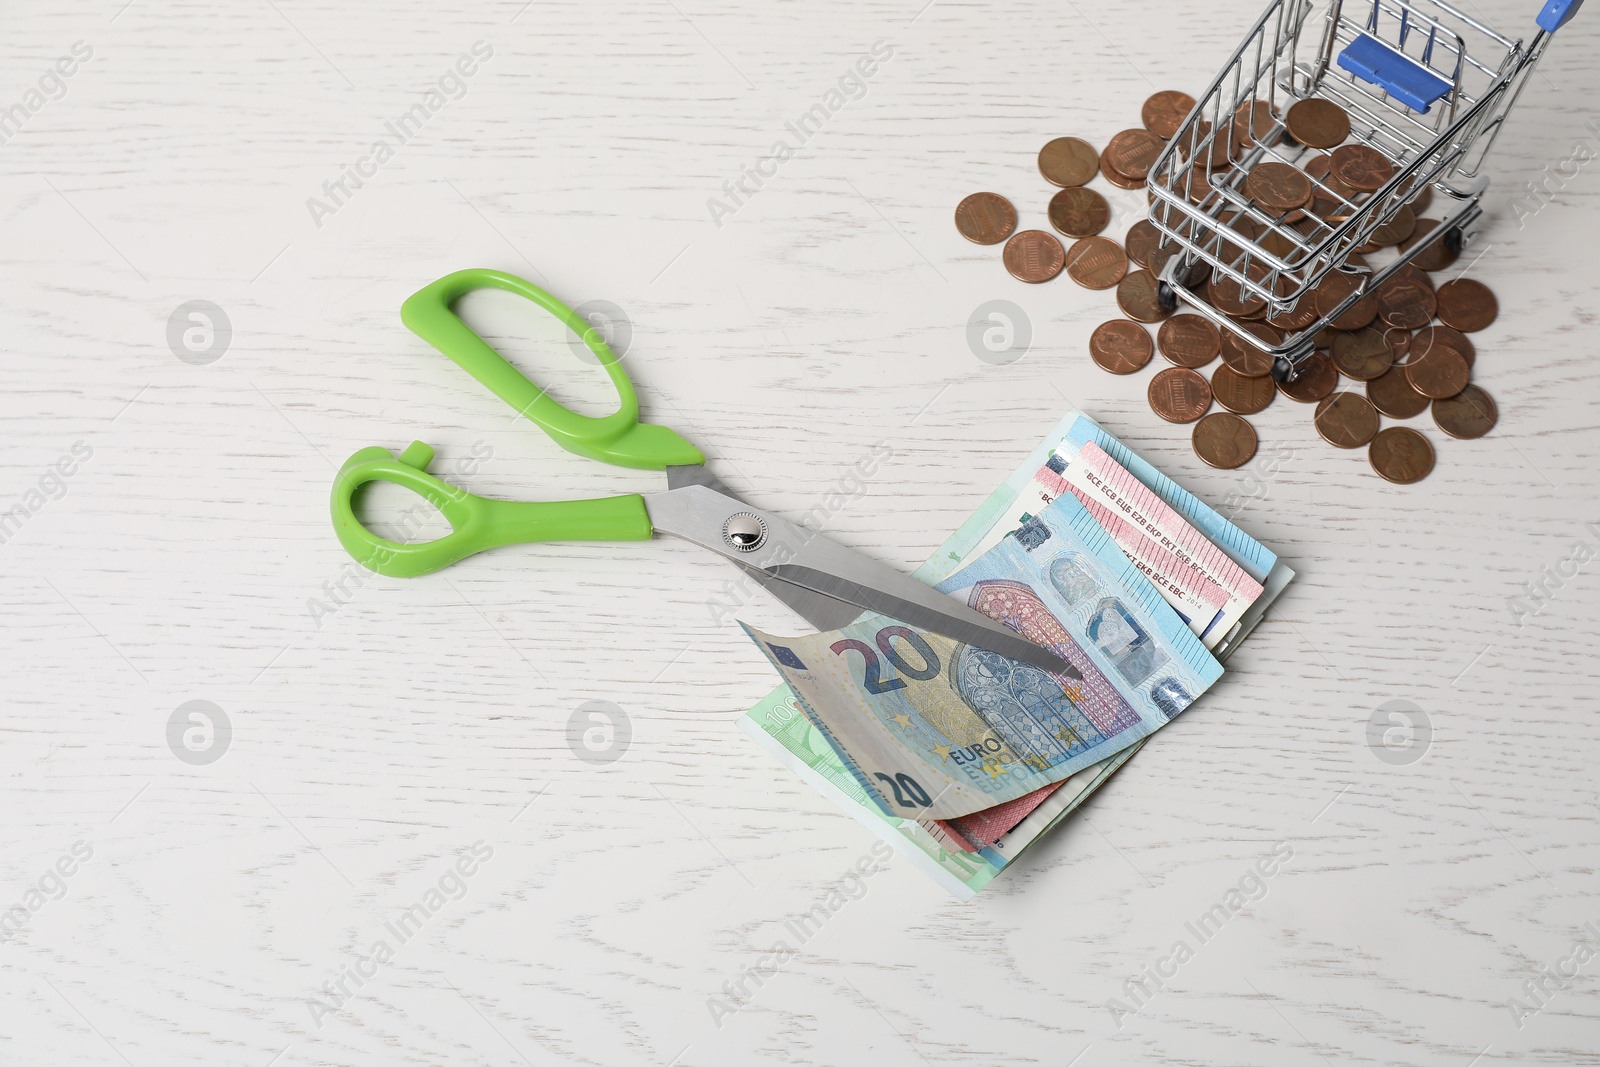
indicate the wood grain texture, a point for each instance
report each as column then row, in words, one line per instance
column 374, row 745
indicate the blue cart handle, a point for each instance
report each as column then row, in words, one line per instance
column 1557, row 13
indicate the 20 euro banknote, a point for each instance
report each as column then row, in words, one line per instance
column 778, row 725
column 932, row 728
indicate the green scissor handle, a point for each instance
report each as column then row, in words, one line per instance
column 619, row 438
column 476, row 523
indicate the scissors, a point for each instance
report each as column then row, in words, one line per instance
column 825, row 583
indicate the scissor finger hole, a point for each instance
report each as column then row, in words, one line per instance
column 397, row 514
column 546, row 352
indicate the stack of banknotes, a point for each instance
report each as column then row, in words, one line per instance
column 961, row 758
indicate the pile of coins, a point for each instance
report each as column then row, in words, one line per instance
column 1406, row 342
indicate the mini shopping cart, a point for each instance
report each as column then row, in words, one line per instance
column 1423, row 84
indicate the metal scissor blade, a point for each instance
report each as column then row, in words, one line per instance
column 820, row 610
column 696, row 511
column 954, row 619
column 680, row 476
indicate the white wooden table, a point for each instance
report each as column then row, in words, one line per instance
column 380, row 728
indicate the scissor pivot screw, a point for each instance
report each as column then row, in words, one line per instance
column 744, row 531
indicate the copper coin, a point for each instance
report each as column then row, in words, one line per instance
column 1334, row 201
column 1278, row 242
column 1297, row 233
column 1034, row 256
column 1391, row 393
column 1406, row 299
column 1195, row 184
column 1079, row 212
column 1120, row 346
column 1470, row 413
column 1241, row 395
column 1438, row 373
column 1401, row 454
column 1247, row 359
column 1399, row 343
column 1318, row 166
column 1344, row 190
column 986, row 218
column 1436, row 256
column 1230, row 297
column 1193, row 136
column 1140, row 299
column 1300, row 316
column 1068, row 161
column 1141, row 240
column 1188, row 341
column 1362, row 355
column 1334, row 289
column 1317, row 123
column 1420, row 202
column 1162, row 214
column 1310, row 229
column 1255, row 315
column 1096, row 262
column 1164, row 112
column 1316, row 379
column 1467, row 304
column 1115, row 177
column 1361, row 167
column 1245, row 229
column 1216, row 154
column 1278, row 186
column 1346, row 420
column 1131, row 153
column 1430, row 337
column 1252, row 121
column 1397, row 229
column 1224, row 440
column 1178, row 394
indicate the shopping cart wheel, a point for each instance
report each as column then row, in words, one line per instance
column 1166, row 297
column 1455, row 240
column 1282, row 369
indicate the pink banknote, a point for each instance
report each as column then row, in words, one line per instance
column 1196, row 577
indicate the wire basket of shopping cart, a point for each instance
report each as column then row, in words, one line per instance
column 1312, row 151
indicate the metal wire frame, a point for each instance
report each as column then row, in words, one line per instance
column 1280, row 258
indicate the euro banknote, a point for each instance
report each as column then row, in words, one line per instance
column 779, row 725
column 938, row 729
column 1156, row 509
column 1202, row 584
column 1006, row 510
